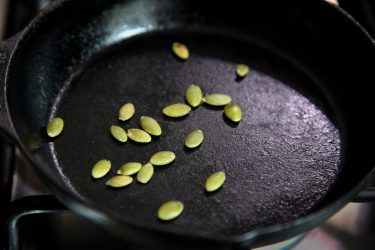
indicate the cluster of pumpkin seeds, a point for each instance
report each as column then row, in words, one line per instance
column 144, row 173
column 123, row 177
column 194, row 97
column 150, row 127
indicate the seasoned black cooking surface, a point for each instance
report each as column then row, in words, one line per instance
column 280, row 160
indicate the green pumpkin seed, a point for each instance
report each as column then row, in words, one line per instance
column 101, row 168
column 138, row 135
column 242, row 70
column 215, row 181
column 126, row 112
column 129, row 168
column 180, row 50
column 194, row 139
column 233, row 112
column 162, row 158
column 145, row 173
column 118, row 133
column 217, row 99
column 177, row 110
column 119, row 181
column 55, row 127
column 150, row 125
column 170, row 210
column 193, row 95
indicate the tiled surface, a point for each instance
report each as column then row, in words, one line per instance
column 349, row 229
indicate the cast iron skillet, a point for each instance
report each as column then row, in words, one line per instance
column 303, row 149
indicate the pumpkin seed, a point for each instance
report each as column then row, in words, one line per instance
column 118, row 133
column 233, row 112
column 129, row 168
column 126, row 112
column 55, row 127
column 217, row 99
column 145, row 173
column 177, row 110
column 193, row 95
column 215, row 181
column 170, row 210
column 242, row 70
column 101, row 168
column 119, row 181
column 150, row 125
column 194, row 139
column 162, row 158
column 180, row 50
column 138, row 135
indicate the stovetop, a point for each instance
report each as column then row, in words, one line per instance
column 38, row 221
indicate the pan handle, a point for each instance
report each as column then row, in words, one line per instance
column 7, row 143
column 365, row 195
column 6, row 48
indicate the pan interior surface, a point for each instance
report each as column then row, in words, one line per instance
column 281, row 160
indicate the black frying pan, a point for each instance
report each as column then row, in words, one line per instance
column 303, row 149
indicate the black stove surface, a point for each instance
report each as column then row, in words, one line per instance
column 41, row 222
